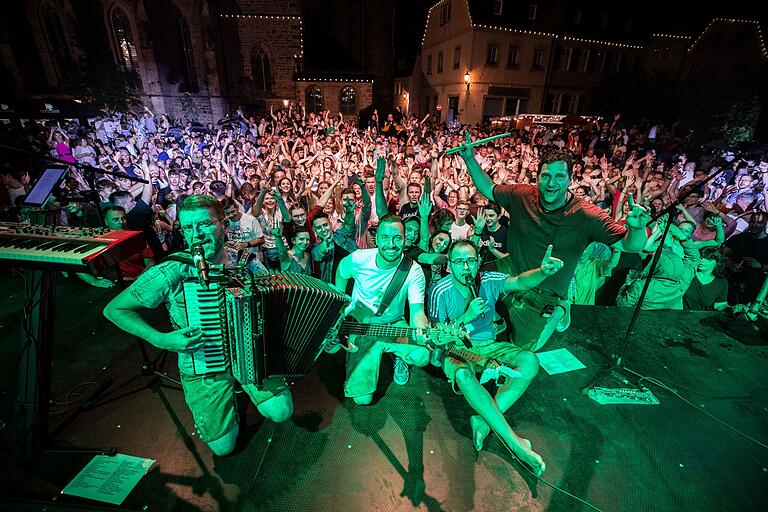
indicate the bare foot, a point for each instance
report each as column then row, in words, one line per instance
column 480, row 431
column 526, row 455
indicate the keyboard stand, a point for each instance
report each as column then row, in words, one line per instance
column 35, row 365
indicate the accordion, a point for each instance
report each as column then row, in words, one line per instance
column 266, row 325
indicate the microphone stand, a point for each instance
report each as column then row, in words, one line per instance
column 615, row 363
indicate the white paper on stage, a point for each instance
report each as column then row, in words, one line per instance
column 108, row 479
column 559, row 361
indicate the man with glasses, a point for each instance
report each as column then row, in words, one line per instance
column 211, row 398
column 469, row 297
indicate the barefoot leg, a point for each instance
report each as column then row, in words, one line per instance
column 485, row 406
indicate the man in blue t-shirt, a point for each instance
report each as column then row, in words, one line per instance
column 467, row 297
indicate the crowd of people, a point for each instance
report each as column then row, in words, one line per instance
column 276, row 173
column 506, row 235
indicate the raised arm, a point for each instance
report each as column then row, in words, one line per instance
column 717, row 223
column 482, row 181
column 257, row 204
column 425, row 207
column 381, row 200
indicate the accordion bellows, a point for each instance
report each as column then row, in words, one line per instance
column 273, row 326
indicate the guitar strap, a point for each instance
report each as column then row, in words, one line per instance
column 395, row 284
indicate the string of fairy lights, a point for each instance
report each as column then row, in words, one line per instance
column 512, row 30
column 265, row 17
column 757, row 28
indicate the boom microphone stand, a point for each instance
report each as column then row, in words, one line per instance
column 615, row 363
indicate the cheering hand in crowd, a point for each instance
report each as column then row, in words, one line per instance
column 638, row 217
column 480, row 221
column 425, row 206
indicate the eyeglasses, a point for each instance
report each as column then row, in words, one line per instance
column 468, row 262
column 205, row 225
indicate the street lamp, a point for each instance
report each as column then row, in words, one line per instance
column 466, row 79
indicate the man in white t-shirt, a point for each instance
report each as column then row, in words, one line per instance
column 244, row 236
column 372, row 270
column 461, row 229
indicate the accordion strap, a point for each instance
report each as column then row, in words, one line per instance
column 395, row 284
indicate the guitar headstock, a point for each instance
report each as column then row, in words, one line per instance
column 445, row 334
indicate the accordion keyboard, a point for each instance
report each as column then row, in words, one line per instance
column 204, row 310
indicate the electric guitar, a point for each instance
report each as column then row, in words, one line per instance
column 442, row 337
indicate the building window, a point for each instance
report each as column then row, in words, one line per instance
column 439, row 62
column 565, row 59
column 513, row 56
column 498, row 5
column 573, row 104
column 347, row 101
column 538, row 58
column 189, row 83
column 445, row 13
column 313, row 99
column 398, row 88
column 126, row 49
column 532, row 8
column 584, row 60
column 401, row 64
column 667, row 53
column 617, row 62
column 492, row 54
column 429, row 64
column 655, row 54
column 261, row 72
column 577, row 17
column 456, row 57
column 57, row 42
column 515, row 106
column 630, row 62
column 604, row 20
column 555, row 100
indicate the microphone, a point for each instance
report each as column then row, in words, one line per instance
column 203, row 269
column 471, row 285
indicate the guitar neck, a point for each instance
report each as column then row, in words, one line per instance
column 466, row 355
column 385, row 331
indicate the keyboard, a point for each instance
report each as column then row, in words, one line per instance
column 88, row 250
column 205, row 310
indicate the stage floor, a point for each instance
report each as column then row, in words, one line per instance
column 411, row 450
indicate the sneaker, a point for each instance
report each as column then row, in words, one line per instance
column 436, row 357
column 401, row 373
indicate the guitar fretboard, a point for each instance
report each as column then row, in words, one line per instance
column 385, row 331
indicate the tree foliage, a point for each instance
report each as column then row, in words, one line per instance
column 709, row 108
column 107, row 84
